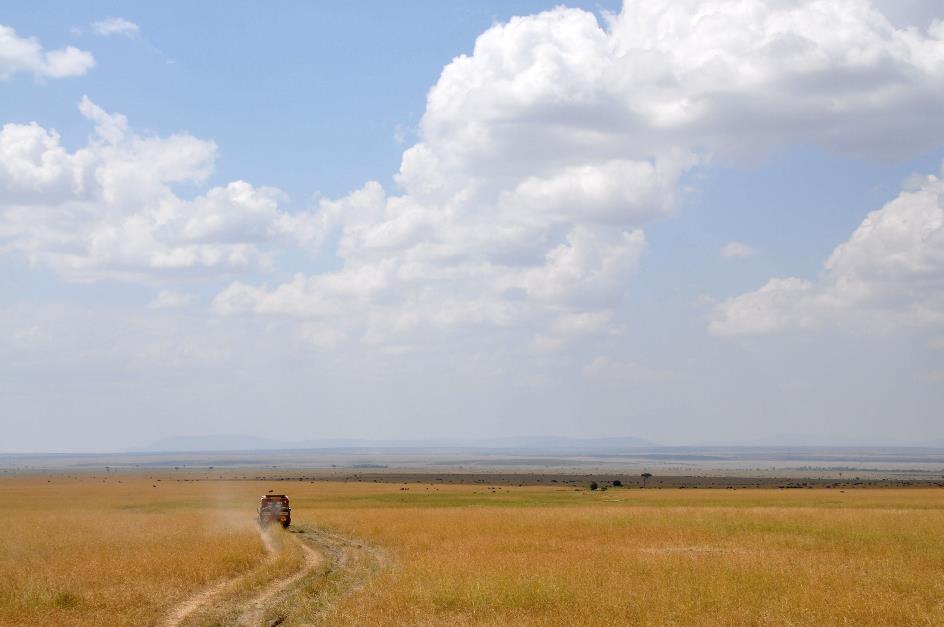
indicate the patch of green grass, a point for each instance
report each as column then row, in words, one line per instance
column 66, row 600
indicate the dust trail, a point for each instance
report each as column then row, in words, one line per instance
column 266, row 540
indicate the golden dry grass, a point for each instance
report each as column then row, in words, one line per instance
column 84, row 553
column 226, row 607
column 81, row 552
column 691, row 557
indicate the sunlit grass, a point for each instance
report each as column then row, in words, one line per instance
column 650, row 557
column 87, row 552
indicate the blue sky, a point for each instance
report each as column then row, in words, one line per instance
column 601, row 220
column 306, row 97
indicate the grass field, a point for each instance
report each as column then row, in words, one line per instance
column 127, row 549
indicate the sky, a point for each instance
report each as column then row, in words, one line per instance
column 690, row 221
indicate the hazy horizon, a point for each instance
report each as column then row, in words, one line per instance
column 228, row 442
column 683, row 221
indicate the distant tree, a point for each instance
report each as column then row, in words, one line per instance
column 617, row 483
column 645, row 476
column 593, row 485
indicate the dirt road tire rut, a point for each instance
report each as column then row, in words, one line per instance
column 325, row 554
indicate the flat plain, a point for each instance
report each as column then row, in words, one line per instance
column 165, row 547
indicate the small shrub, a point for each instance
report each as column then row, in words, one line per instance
column 617, row 483
column 593, row 485
column 66, row 600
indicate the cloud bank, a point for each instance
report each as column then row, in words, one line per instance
column 888, row 275
column 541, row 157
column 26, row 55
column 109, row 209
column 489, row 288
column 544, row 153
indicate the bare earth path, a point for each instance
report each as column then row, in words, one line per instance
column 255, row 610
column 323, row 551
column 188, row 607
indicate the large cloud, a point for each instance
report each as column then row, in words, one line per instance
column 714, row 75
column 20, row 54
column 541, row 157
column 109, row 209
column 544, row 151
column 888, row 275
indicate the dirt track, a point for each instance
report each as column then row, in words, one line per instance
column 255, row 610
column 188, row 607
column 324, row 553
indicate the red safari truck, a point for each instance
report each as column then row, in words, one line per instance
column 275, row 508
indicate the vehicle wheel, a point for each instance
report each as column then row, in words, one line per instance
column 285, row 525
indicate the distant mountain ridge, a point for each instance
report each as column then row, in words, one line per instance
column 234, row 442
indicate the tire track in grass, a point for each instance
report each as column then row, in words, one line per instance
column 351, row 565
column 180, row 613
column 255, row 609
column 322, row 551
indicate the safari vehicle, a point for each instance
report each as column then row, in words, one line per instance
column 275, row 508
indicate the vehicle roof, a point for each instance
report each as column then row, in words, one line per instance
column 276, row 496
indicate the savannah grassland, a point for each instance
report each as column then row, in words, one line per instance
column 115, row 549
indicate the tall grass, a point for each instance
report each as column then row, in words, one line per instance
column 84, row 551
column 97, row 552
column 693, row 557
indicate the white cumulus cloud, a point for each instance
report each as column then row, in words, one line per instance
column 170, row 299
column 543, row 154
column 736, row 250
column 108, row 208
column 115, row 26
column 540, row 158
column 27, row 55
column 889, row 274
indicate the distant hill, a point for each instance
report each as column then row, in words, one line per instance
column 232, row 442
column 222, row 442
column 846, row 440
column 554, row 442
